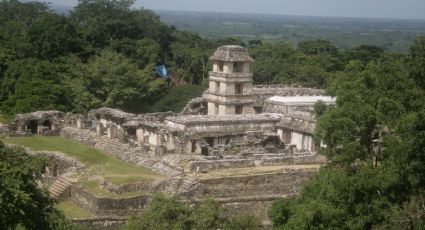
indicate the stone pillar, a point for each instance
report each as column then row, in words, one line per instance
column 248, row 109
column 228, row 67
column 40, row 127
column 211, row 108
column 140, row 135
column 99, row 129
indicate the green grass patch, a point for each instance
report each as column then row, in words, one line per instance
column 97, row 162
column 71, row 210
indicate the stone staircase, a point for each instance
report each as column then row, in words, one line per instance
column 187, row 187
column 177, row 182
column 59, row 186
column 126, row 152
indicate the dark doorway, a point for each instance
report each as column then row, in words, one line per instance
column 239, row 109
column 55, row 171
column 210, row 141
column 33, row 126
column 47, row 124
column 238, row 88
column 131, row 132
column 193, row 146
column 204, row 150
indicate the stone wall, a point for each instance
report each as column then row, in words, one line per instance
column 100, row 223
column 107, row 206
column 256, row 160
column 210, row 165
column 284, row 183
column 84, row 136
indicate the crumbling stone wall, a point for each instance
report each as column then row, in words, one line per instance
column 287, row 182
column 196, row 106
column 108, row 206
column 256, row 160
column 101, row 223
column 40, row 122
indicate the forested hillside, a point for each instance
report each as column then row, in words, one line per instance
column 103, row 53
column 346, row 33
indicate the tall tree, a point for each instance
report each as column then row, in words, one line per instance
column 417, row 62
column 31, row 85
column 22, row 203
column 111, row 79
column 374, row 137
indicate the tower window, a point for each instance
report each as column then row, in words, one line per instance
column 193, row 146
column 239, row 109
column 220, row 66
column 237, row 67
column 238, row 88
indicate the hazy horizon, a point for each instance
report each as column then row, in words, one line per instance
column 385, row 9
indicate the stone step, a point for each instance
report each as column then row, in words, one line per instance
column 59, row 186
column 125, row 152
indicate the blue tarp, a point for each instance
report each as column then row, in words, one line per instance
column 161, row 70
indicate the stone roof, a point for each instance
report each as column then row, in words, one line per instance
column 39, row 115
column 232, row 53
column 302, row 100
column 112, row 113
column 208, row 119
column 298, row 123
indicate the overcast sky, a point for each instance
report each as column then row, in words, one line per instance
column 345, row 8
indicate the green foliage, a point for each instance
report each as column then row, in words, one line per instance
column 163, row 213
column 280, row 63
column 102, row 54
column 190, row 53
column 22, row 203
column 375, row 147
column 52, row 35
column 316, row 47
column 113, row 80
column 244, row 222
column 168, row 213
column 30, row 85
column 177, row 98
column 319, row 108
column 417, row 62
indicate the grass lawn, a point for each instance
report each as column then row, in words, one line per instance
column 71, row 210
column 97, row 162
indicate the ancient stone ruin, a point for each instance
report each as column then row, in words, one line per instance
column 241, row 144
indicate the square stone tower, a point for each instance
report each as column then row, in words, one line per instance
column 230, row 82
